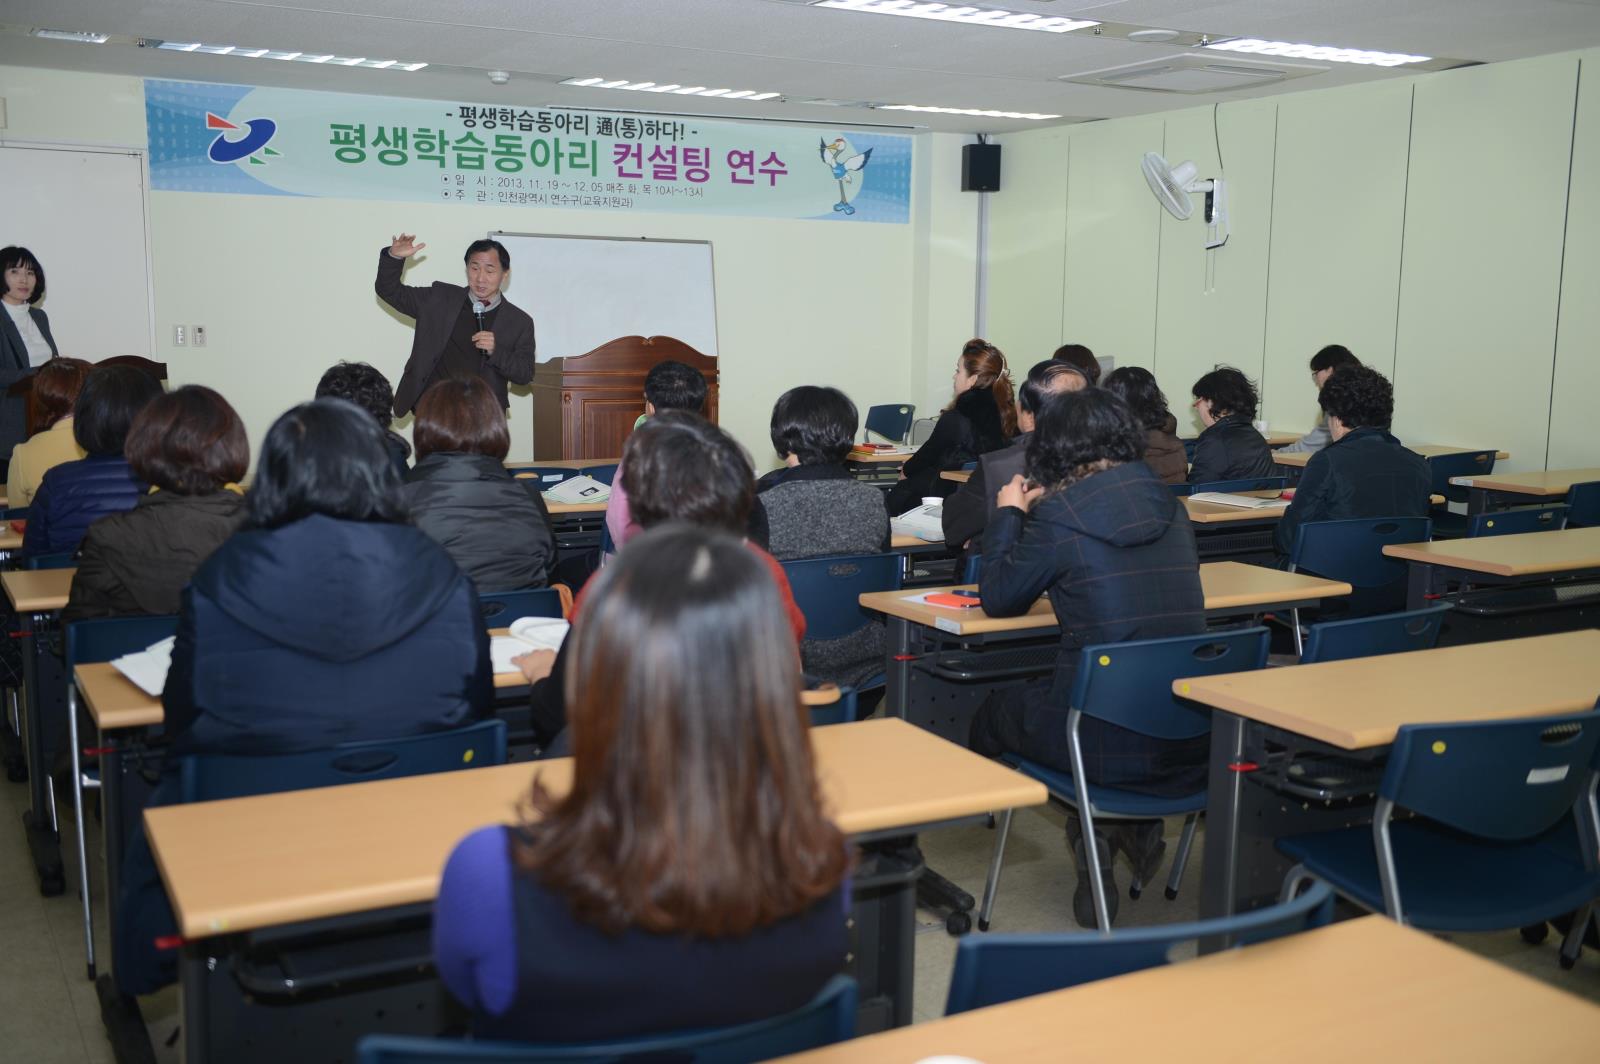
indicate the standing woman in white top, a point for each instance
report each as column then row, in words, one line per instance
column 25, row 340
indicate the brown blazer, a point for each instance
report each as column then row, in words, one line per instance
column 1164, row 453
column 435, row 309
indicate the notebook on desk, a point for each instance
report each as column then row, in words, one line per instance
column 147, row 668
column 527, row 633
column 1246, row 502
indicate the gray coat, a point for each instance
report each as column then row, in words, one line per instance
column 14, row 366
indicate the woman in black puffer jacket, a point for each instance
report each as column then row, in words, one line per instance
column 496, row 528
column 982, row 418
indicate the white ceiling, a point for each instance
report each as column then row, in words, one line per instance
column 766, row 45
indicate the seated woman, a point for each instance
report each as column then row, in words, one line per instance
column 1163, row 451
column 725, row 901
column 369, row 389
column 495, row 527
column 74, row 495
column 190, row 447
column 55, row 388
column 981, row 418
column 1230, row 448
column 329, row 618
column 1114, row 550
column 1364, row 471
column 815, row 506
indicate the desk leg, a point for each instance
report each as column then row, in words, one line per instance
column 1477, row 501
column 42, row 838
column 194, row 969
column 883, row 933
column 1419, row 584
column 1220, row 873
column 897, row 667
column 75, row 753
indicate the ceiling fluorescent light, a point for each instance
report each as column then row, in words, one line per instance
column 672, row 87
column 973, row 111
column 1317, row 52
column 962, row 13
column 285, row 56
column 72, row 35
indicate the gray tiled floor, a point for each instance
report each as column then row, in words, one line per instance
column 49, row 1012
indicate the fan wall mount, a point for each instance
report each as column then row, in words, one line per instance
column 1174, row 185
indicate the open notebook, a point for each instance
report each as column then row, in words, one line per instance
column 579, row 489
column 527, row 633
column 1247, row 502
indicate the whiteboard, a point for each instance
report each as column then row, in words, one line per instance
column 81, row 211
column 584, row 291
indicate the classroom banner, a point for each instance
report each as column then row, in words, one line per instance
column 286, row 142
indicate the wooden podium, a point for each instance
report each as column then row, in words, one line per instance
column 585, row 406
column 24, row 388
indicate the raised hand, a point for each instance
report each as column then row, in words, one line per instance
column 405, row 245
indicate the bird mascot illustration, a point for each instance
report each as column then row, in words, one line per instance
column 844, row 168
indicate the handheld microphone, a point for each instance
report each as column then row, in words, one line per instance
column 478, row 308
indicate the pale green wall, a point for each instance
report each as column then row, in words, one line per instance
column 1431, row 243
column 285, row 285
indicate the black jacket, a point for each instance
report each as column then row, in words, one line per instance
column 74, row 495
column 1231, row 449
column 1114, row 551
column 970, row 428
column 324, row 631
column 139, row 561
column 14, row 366
column 968, row 512
column 1366, row 474
column 495, row 527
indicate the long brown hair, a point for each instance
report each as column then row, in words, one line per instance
column 983, row 360
column 694, row 806
column 55, row 389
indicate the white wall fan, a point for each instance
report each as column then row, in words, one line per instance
column 1173, row 186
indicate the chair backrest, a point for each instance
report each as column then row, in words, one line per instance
column 547, row 476
column 500, row 608
column 1503, row 779
column 1352, row 551
column 605, row 474
column 1234, row 486
column 105, row 638
column 1367, row 637
column 62, row 560
column 208, row 777
column 828, row 1018
column 828, row 590
column 991, row 969
column 892, row 422
column 1515, row 522
column 14, row 513
column 972, row 571
column 1583, row 505
column 1130, row 684
column 1442, row 467
column 840, row 711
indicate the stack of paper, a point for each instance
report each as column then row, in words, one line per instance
column 924, row 522
column 147, row 668
column 1248, row 502
column 527, row 633
column 579, row 489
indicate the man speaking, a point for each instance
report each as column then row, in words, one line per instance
column 461, row 332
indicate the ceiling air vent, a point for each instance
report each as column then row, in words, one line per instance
column 1189, row 73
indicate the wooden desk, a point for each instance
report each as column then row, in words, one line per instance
column 1282, row 439
column 900, row 541
column 1213, row 513
column 878, row 458
column 1498, row 490
column 37, row 590
column 1526, row 558
column 960, row 476
column 1298, row 459
column 1365, row 986
column 559, row 509
column 10, row 539
column 1356, row 706
column 562, row 463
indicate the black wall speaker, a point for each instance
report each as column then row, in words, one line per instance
column 980, row 168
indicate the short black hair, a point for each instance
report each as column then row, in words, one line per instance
column 1332, row 357
column 325, row 457
column 674, row 386
column 362, row 385
column 1080, row 356
column 488, row 245
column 20, row 256
column 1360, row 397
column 680, row 467
column 1137, row 387
column 1043, row 381
column 1229, row 392
column 106, row 406
column 1081, row 433
column 816, row 425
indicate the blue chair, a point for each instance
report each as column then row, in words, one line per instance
column 992, row 969
column 1441, row 469
column 828, row 592
column 891, row 422
column 209, row 777
column 14, row 513
column 1234, row 486
column 1352, row 551
column 605, row 474
column 972, row 571
column 840, row 711
column 500, row 608
column 1516, row 522
column 828, row 1018
column 1368, row 637
column 88, row 642
column 1491, row 843
column 1130, row 685
column 1583, row 505
column 66, row 559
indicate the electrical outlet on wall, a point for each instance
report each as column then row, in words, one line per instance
column 198, row 333
column 180, row 336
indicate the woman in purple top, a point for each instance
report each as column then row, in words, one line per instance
column 690, row 877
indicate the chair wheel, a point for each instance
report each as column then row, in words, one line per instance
column 1172, row 895
column 1534, row 934
column 983, row 925
column 1134, row 890
column 958, row 923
